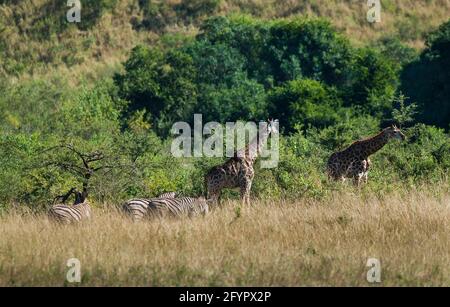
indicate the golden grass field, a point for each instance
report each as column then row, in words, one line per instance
column 309, row 243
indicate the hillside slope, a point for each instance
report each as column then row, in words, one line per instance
column 35, row 37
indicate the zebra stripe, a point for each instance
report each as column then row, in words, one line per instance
column 137, row 208
column 70, row 214
column 162, row 207
column 168, row 195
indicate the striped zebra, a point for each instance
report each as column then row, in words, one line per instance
column 70, row 214
column 163, row 207
column 168, row 195
column 67, row 214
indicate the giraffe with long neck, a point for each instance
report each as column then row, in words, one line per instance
column 238, row 171
column 353, row 162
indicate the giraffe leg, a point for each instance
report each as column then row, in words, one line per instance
column 359, row 171
column 366, row 177
column 358, row 179
column 213, row 195
column 366, row 174
column 245, row 192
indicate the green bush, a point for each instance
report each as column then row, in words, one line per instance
column 230, row 68
column 163, row 84
column 426, row 80
column 305, row 102
column 372, row 84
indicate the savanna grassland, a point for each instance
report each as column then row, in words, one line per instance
column 281, row 243
column 114, row 84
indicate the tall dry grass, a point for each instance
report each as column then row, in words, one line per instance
column 267, row 244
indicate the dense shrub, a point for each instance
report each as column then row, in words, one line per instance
column 372, row 84
column 427, row 80
column 306, row 102
column 235, row 62
column 163, row 84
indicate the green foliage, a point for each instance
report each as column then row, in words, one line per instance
column 309, row 49
column 372, row 83
column 326, row 93
column 427, row 79
column 422, row 157
column 163, row 84
column 405, row 113
column 306, row 102
column 396, row 51
column 234, row 63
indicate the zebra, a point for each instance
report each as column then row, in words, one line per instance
column 168, row 195
column 138, row 207
column 78, row 212
column 162, row 207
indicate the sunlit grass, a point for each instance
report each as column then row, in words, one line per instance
column 266, row 244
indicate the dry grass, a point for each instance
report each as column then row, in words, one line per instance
column 270, row 244
column 410, row 19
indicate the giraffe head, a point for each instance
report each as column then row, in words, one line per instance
column 273, row 126
column 394, row 133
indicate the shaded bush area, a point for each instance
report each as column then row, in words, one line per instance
column 427, row 79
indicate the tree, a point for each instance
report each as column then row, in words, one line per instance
column 404, row 114
column 162, row 84
column 307, row 48
column 371, row 82
column 427, row 80
column 304, row 102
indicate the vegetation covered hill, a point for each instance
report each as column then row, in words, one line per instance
column 36, row 38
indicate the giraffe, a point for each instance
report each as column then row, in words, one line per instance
column 238, row 171
column 353, row 162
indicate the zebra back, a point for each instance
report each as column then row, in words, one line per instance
column 70, row 214
column 162, row 207
column 168, row 195
column 137, row 208
column 177, row 207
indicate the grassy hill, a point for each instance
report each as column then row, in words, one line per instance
column 36, row 39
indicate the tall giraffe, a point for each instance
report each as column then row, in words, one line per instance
column 353, row 162
column 238, row 171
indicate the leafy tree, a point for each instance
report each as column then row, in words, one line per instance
column 404, row 114
column 303, row 48
column 304, row 102
column 244, row 99
column 216, row 63
column 427, row 80
column 163, row 84
column 372, row 82
column 398, row 52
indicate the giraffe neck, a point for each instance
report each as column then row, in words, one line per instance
column 254, row 148
column 374, row 144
